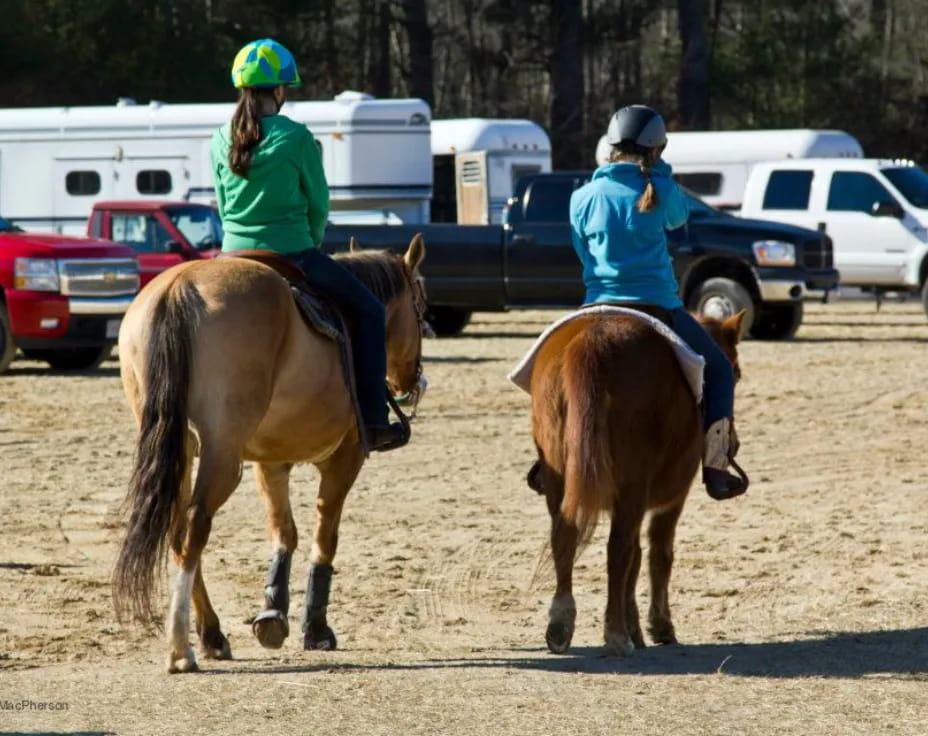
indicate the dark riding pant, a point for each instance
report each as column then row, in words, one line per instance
column 368, row 320
column 718, row 376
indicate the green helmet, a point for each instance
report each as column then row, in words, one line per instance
column 264, row 63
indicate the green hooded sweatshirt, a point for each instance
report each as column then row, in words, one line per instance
column 283, row 202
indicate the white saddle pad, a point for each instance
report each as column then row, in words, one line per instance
column 691, row 362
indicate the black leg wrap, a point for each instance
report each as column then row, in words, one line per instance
column 277, row 583
column 317, row 594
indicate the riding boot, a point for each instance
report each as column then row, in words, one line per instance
column 717, row 454
column 381, row 438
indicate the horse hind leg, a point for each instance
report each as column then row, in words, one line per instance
column 217, row 477
column 623, row 550
column 271, row 626
column 661, row 533
column 562, row 614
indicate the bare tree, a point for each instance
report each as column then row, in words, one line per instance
column 565, row 67
column 693, row 84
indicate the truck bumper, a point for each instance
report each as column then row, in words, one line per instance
column 45, row 320
column 792, row 284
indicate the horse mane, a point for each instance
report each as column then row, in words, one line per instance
column 379, row 270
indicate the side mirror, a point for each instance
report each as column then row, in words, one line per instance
column 887, row 209
column 172, row 246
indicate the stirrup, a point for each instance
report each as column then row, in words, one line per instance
column 722, row 485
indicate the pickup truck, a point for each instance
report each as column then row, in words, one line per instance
column 62, row 298
column 161, row 233
column 723, row 263
column 875, row 211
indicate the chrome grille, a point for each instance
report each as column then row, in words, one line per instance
column 817, row 253
column 98, row 276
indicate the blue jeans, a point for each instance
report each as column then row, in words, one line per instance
column 719, row 377
column 367, row 317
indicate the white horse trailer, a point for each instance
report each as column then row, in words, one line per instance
column 716, row 164
column 55, row 162
column 478, row 162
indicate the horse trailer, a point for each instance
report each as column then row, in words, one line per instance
column 56, row 162
column 477, row 163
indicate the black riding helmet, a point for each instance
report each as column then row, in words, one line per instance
column 637, row 124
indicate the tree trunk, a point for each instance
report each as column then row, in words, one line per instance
column 420, row 81
column 380, row 73
column 693, row 84
column 565, row 67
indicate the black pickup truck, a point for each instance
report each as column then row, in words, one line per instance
column 723, row 263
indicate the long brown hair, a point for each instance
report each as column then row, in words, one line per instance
column 246, row 126
column 645, row 158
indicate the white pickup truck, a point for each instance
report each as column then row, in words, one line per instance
column 875, row 210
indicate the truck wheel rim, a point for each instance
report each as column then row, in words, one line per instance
column 718, row 307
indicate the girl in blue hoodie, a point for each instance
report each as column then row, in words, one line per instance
column 618, row 223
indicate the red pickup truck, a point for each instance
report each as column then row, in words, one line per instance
column 62, row 298
column 161, row 233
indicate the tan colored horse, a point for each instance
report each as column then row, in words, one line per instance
column 618, row 430
column 216, row 361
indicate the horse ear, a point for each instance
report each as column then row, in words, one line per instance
column 415, row 253
column 735, row 324
column 353, row 246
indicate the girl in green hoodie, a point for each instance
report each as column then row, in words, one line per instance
column 272, row 194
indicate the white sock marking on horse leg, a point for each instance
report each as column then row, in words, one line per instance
column 179, row 616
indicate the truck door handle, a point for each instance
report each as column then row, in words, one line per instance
column 523, row 240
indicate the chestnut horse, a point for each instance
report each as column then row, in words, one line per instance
column 216, row 361
column 618, row 430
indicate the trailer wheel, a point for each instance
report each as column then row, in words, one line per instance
column 72, row 359
column 7, row 348
column 778, row 322
column 447, row 321
column 722, row 298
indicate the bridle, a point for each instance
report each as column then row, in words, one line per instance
column 416, row 286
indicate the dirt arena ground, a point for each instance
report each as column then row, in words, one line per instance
column 802, row 607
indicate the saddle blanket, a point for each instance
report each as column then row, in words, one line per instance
column 691, row 362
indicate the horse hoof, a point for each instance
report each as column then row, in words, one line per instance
column 325, row 641
column 662, row 634
column 270, row 627
column 183, row 665
column 558, row 637
column 619, row 646
column 214, row 645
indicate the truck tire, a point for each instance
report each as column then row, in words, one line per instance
column 447, row 321
column 72, row 359
column 722, row 298
column 7, row 347
column 777, row 322
column 925, row 297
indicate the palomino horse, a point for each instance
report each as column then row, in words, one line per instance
column 618, row 430
column 216, row 361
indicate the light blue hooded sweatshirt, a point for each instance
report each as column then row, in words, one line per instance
column 624, row 251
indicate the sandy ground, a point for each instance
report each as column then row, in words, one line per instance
column 801, row 607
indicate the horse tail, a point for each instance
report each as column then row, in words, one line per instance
column 589, row 485
column 161, row 451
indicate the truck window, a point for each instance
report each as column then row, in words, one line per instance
column 96, row 224
column 520, row 170
column 549, row 200
column 701, row 183
column 153, row 181
column 854, row 191
column 82, row 183
column 911, row 181
column 788, row 190
column 144, row 234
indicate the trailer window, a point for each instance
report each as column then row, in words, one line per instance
column 153, row 181
column 82, row 183
column 704, row 184
column 788, row 190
